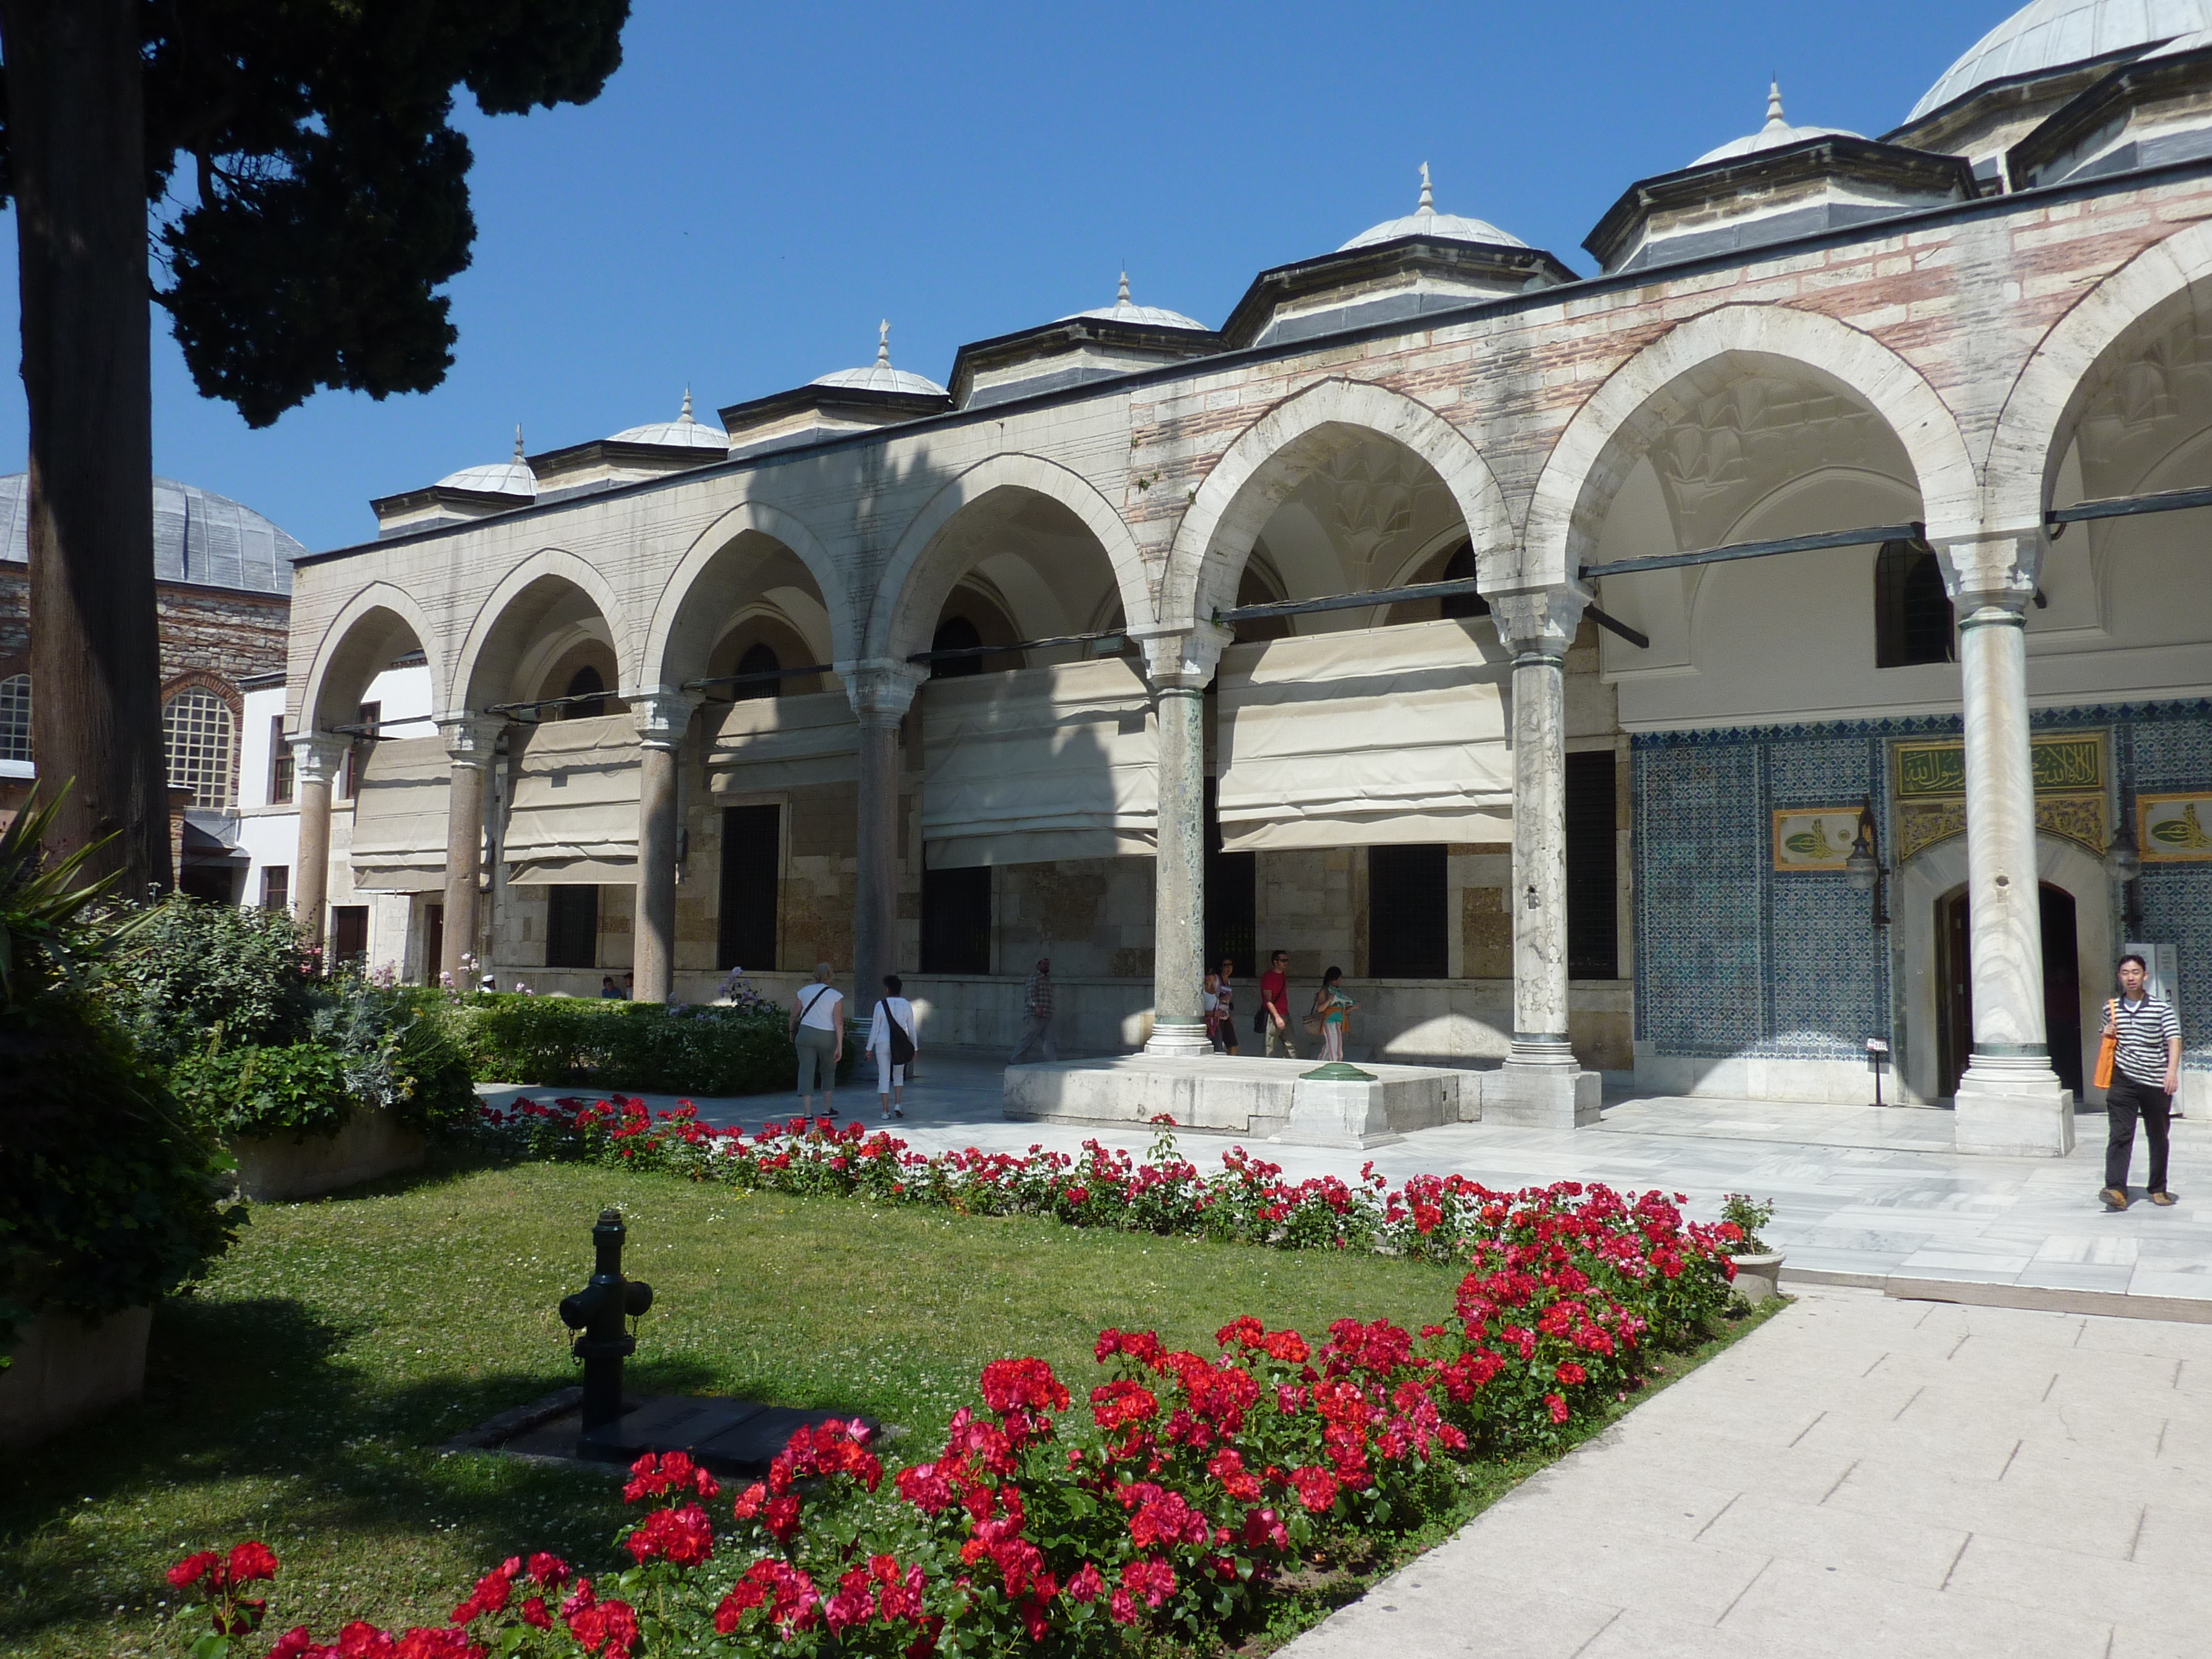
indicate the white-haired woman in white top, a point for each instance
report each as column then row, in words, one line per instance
column 891, row 1040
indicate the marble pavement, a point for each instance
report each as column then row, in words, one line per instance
column 1863, row 1196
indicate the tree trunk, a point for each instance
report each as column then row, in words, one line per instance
column 77, row 150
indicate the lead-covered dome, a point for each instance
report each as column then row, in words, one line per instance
column 509, row 477
column 1425, row 221
column 1126, row 310
column 2052, row 34
column 880, row 376
column 1774, row 135
column 200, row 537
column 681, row 432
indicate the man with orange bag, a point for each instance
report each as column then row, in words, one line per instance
column 2142, row 1048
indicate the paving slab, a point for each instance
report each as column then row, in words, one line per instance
column 2000, row 1525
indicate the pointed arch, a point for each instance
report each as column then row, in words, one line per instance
column 1602, row 443
column 1233, row 504
column 903, row 610
column 558, row 564
column 362, row 629
column 674, row 634
column 2053, row 386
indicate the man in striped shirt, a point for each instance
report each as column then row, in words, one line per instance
column 2146, row 1071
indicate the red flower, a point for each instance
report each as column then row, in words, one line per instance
column 193, row 1567
column 1123, row 1401
column 606, row 1628
column 1088, row 1584
column 252, row 1560
column 682, row 1537
column 1152, row 1581
column 1556, row 1406
column 1122, row 1609
column 548, row 1570
column 534, row 1614
column 1569, row 1374
column 1316, row 1487
column 780, row 1517
column 673, row 1472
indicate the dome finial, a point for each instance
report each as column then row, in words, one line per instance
column 884, row 343
column 1774, row 117
column 684, row 414
column 1122, row 298
column 518, row 440
column 1428, row 196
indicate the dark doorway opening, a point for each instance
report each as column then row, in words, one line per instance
column 956, row 920
column 572, row 926
column 434, row 944
column 1408, row 918
column 349, row 934
column 1232, row 890
column 1955, row 991
column 752, row 884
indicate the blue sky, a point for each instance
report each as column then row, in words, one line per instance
column 760, row 184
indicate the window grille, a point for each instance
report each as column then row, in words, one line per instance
column 956, row 920
column 956, row 634
column 1408, row 912
column 760, row 657
column 586, row 681
column 1593, row 880
column 572, row 927
column 752, row 871
column 16, row 718
column 195, row 733
column 1912, row 617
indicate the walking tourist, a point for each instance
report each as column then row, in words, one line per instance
column 1274, row 1023
column 1224, row 1008
column 1330, row 1008
column 818, row 1030
column 1037, row 1013
column 890, row 1040
column 2146, row 1073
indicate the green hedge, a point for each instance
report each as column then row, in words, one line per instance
column 642, row 1046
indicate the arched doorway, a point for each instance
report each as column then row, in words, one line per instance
column 2061, row 985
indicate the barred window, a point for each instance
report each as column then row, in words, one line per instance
column 195, row 735
column 16, row 718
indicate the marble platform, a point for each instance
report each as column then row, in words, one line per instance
column 1275, row 1100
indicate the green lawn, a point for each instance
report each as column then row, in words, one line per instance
column 297, row 1396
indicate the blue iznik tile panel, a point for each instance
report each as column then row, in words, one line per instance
column 1732, row 960
column 1701, row 883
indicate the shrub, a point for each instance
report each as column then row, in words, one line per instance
column 197, row 969
column 1749, row 1214
column 398, row 1052
column 107, row 1198
column 671, row 1049
column 301, row 1089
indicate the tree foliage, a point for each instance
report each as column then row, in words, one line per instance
column 309, row 193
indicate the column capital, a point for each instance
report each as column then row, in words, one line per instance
column 1539, row 622
column 471, row 738
column 881, row 688
column 317, row 756
column 1996, row 572
column 663, row 716
column 1181, row 657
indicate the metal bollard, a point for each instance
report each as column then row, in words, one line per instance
column 598, row 1311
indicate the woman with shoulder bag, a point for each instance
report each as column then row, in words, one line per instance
column 1330, row 1008
column 817, row 1031
column 890, row 1040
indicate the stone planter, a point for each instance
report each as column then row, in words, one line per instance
column 1759, row 1277
column 370, row 1143
column 67, row 1371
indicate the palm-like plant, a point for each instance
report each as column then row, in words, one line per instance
column 50, row 928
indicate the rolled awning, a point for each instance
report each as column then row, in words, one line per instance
column 1043, row 764
column 574, row 818
column 400, row 817
column 1365, row 737
column 784, row 742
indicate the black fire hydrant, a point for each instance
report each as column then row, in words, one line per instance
column 599, row 1310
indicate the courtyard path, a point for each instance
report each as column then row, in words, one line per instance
column 1865, row 1197
column 1862, row 1475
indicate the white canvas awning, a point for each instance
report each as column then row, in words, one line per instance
column 1045, row 763
column 784, row 742
column 1365, row 737
column 574, row 818
column 400, row 817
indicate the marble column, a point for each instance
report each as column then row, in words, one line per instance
column 472, row 741
column 663, row 718
column 315, row 762
column 1540, row 1082
column 2010, row 1102
column 881, row 693
column 1180, row 665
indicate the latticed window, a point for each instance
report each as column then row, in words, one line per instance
column 16, row 718
column 196, row 734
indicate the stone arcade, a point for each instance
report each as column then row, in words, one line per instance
column 935, row 679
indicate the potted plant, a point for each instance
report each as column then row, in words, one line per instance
column 1757, row 1265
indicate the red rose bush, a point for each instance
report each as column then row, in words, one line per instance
column 1163, row 1494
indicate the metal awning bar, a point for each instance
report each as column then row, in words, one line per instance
column 762, row 676
column 1876, row 533
column 1613, row 625
column 1461, row 587
column 372, row 728
column 553, row 702
column 2126, row 507
column 951, row 651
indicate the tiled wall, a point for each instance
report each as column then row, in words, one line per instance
column 1732, row 960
